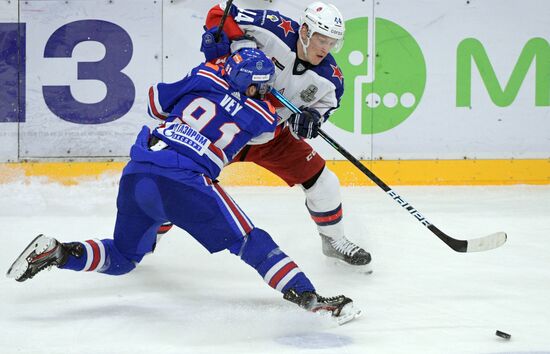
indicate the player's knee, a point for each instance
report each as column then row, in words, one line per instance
column 310, row 182
column 327, row 182
column 255, row 247
column 116, row 263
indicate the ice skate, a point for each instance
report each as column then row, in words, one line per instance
column 343, row 252
column 346, row 252
column 340, row 308
column 41, row 253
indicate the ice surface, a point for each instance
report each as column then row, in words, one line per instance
column 421, row 298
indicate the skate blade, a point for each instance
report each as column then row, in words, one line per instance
column 348, row 313
column 20, row 266
column 361, row 269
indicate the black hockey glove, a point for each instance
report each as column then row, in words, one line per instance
column 211, row 48
column 305, row 124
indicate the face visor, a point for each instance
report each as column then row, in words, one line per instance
column 263, row 83
column 331, row 44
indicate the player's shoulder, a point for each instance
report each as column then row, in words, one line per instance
column 210, row 74
column 330, row 70
column 278, row 24
column 262, row 108
column 282, row 26
column 209, row 68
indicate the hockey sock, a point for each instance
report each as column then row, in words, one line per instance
column 278, row 270
column 101, row 256
column 324, row 204
column 85, row 256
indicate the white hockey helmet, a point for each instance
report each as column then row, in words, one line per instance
column 325, row 19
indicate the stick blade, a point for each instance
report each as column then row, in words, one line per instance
column 486, row 243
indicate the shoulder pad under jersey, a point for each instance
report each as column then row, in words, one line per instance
column 283, row 27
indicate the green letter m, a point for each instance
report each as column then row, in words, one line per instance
column 471, row 48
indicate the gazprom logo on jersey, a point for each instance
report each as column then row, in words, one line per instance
column 380, row 99
column 184, row 134
column 385, row 75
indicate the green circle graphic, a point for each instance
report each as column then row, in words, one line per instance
column 386, row 99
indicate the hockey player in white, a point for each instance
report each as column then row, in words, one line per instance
column 307, row 74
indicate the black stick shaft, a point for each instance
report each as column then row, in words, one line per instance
column 222, row 22
column 354, row 161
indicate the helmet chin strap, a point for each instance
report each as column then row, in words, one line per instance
column 304, row 45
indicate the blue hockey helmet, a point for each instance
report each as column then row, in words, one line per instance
column 247, row 67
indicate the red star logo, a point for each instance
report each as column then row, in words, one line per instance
column 286, row 25
column 336, row 72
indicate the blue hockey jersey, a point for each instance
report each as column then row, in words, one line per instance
column 205, row 122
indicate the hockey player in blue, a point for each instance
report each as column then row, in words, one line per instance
column 207, row 118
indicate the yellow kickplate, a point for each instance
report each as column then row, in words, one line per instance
column 410, row 172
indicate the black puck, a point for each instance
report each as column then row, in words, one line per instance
column 503, row 334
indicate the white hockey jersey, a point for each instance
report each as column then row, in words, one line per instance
column 320, row 86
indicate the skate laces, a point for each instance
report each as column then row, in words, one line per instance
column 327, row 300
column 345, row 246
column 331, row 304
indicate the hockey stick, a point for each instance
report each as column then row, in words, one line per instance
column 222, row 22
column 473, row 245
